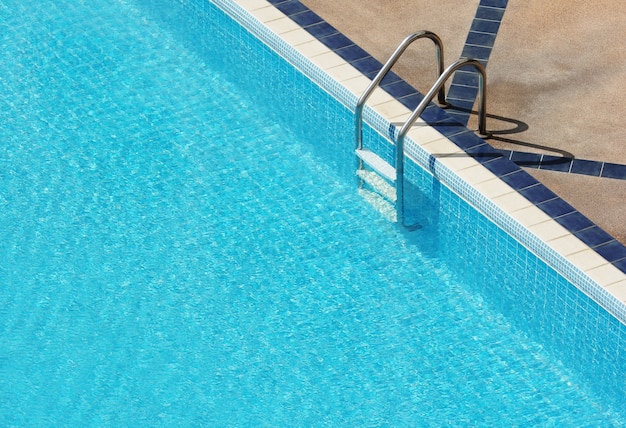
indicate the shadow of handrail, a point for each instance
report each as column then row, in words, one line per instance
column 564, row 153
column 519, row 127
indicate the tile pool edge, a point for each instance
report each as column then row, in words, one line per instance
column 448, row 157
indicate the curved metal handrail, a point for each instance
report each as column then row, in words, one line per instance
column 482, row 129
column 387, row 67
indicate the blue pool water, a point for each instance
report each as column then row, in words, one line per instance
column 183, row 244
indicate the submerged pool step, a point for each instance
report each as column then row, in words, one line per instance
column 380, row 179
column 378, row 164
column 382, row 205
column 378, row 183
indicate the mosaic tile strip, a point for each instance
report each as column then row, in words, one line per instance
column 567, row 165
column 478, row 45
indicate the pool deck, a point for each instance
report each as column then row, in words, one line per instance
column 556, row 80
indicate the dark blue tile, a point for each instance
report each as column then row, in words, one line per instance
column 449, row 126
column 465, row 106
column 458, row 112
column 481, row 39
column 434, row 114
column 594, row 236
column 556, row 208
column 321, row 30
column 368, row 66
column 390, row 78
column 538, row 194
column 336, row 41
column 490, row 13
column 399, row 89
column 306, row 19
column 612, row 251
column 556, row 163
column 462, row 92
column 476, row 52
column 291, row 7
column 466, row 78
column 586, row 167
column 506, row 154
column 411, row 101
column 485, row 26
column 529, row 160
column 574, row 222
column 275, row 2
column 468, row 140
column 483, row 154
column 501, row 167
column 473, row 52
column 613, row 170
column 352, row 53
column 519, row 180
column 494, row 3
column 455, row 118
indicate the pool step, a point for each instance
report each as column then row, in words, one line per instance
column 379, row 184
column 381, row 204
column 378, row 164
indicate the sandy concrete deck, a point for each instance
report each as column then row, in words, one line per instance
column 558, row 69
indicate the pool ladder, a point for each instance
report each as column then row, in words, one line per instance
column 381, row 184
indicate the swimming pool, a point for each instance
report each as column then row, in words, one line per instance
column 184, row 245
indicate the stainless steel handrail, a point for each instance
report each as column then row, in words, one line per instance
column 387, row 67
column 482, row 115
